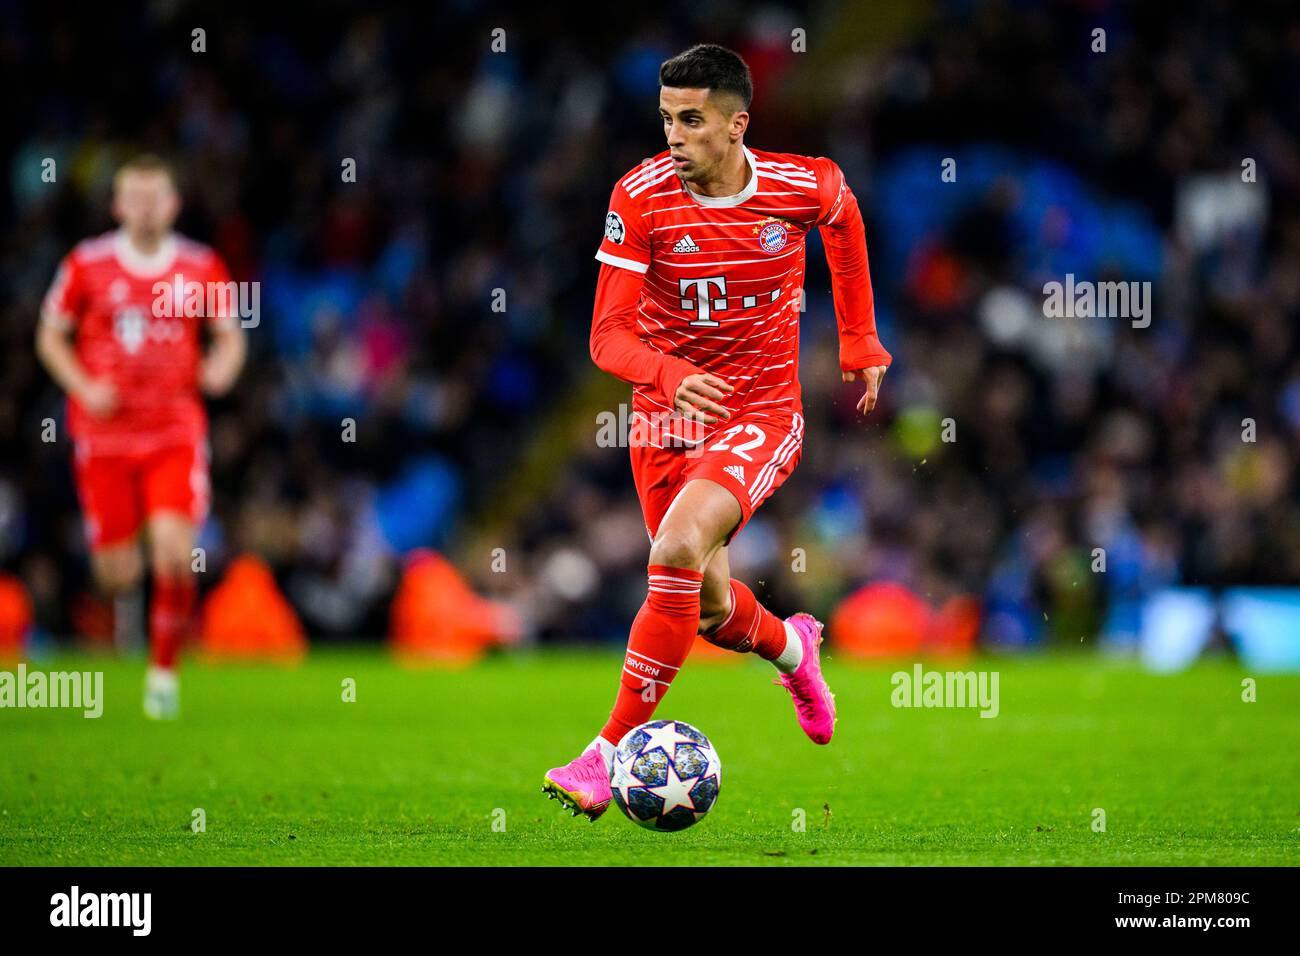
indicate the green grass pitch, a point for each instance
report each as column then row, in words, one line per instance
column 444, row 767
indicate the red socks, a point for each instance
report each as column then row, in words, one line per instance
column 661, row 637
column 749, row 627
column 170, row 610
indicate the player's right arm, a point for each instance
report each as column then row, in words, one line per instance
column 55, row 333
column 616, row 347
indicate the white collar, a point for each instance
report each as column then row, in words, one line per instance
column 144, row 264
column 743, row 196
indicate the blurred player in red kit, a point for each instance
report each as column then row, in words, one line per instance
column 697, row 306
column 121, row 332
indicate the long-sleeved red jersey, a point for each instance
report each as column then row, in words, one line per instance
column 695, row 283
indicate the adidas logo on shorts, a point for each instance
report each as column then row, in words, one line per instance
column 686, row 244
column 737, row 472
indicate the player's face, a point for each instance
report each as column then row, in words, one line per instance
column 145, row 203
column 699, row 131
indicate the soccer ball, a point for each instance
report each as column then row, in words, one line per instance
column 666, row 775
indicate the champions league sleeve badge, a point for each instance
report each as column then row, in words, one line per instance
column 614, row 228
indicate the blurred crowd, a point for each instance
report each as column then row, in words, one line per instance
column 442, row 301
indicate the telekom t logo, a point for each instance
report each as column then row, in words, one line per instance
column 703, row 303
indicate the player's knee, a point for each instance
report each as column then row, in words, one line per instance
column 676, row 549
column 168, row 557
column 170, row 549
column 118, row 573
column 119, row 580
column 170, row 562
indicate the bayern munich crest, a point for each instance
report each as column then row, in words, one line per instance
column 772, row 237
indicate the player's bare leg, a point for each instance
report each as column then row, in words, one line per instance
column 118, row 573
column 692, row 531
column 731, row 617
column 171, row 540
column 118, row 569
column 715, row 593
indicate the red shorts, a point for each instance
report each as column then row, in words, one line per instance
column 120, row 492
column 751, row 456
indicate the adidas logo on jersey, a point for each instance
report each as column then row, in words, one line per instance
column 737, row 472
column 686, row 244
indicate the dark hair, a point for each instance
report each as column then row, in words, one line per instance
column 712, row 67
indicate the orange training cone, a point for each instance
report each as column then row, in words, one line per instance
column 437, row 617
column 247, row 618
column 15, row 617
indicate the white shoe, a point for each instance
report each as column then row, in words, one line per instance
column 162, row 694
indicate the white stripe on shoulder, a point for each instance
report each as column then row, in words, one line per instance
column 785, row 176
column 794, row 172
column 650, row 169
column 654, row 180
column 789, row 181
column 775, row 165
column 97, row 247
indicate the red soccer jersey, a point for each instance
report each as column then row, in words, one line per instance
column 722, row 281
column 140, row 339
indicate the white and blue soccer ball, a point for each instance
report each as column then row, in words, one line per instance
column 666, row 775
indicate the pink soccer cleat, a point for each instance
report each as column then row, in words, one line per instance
column 813, row 700
column 581, row 785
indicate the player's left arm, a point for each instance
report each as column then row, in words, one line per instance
column 225, row 357
column 862, row 356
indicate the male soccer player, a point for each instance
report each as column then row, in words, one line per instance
column 697, row 306
column 120, row 334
